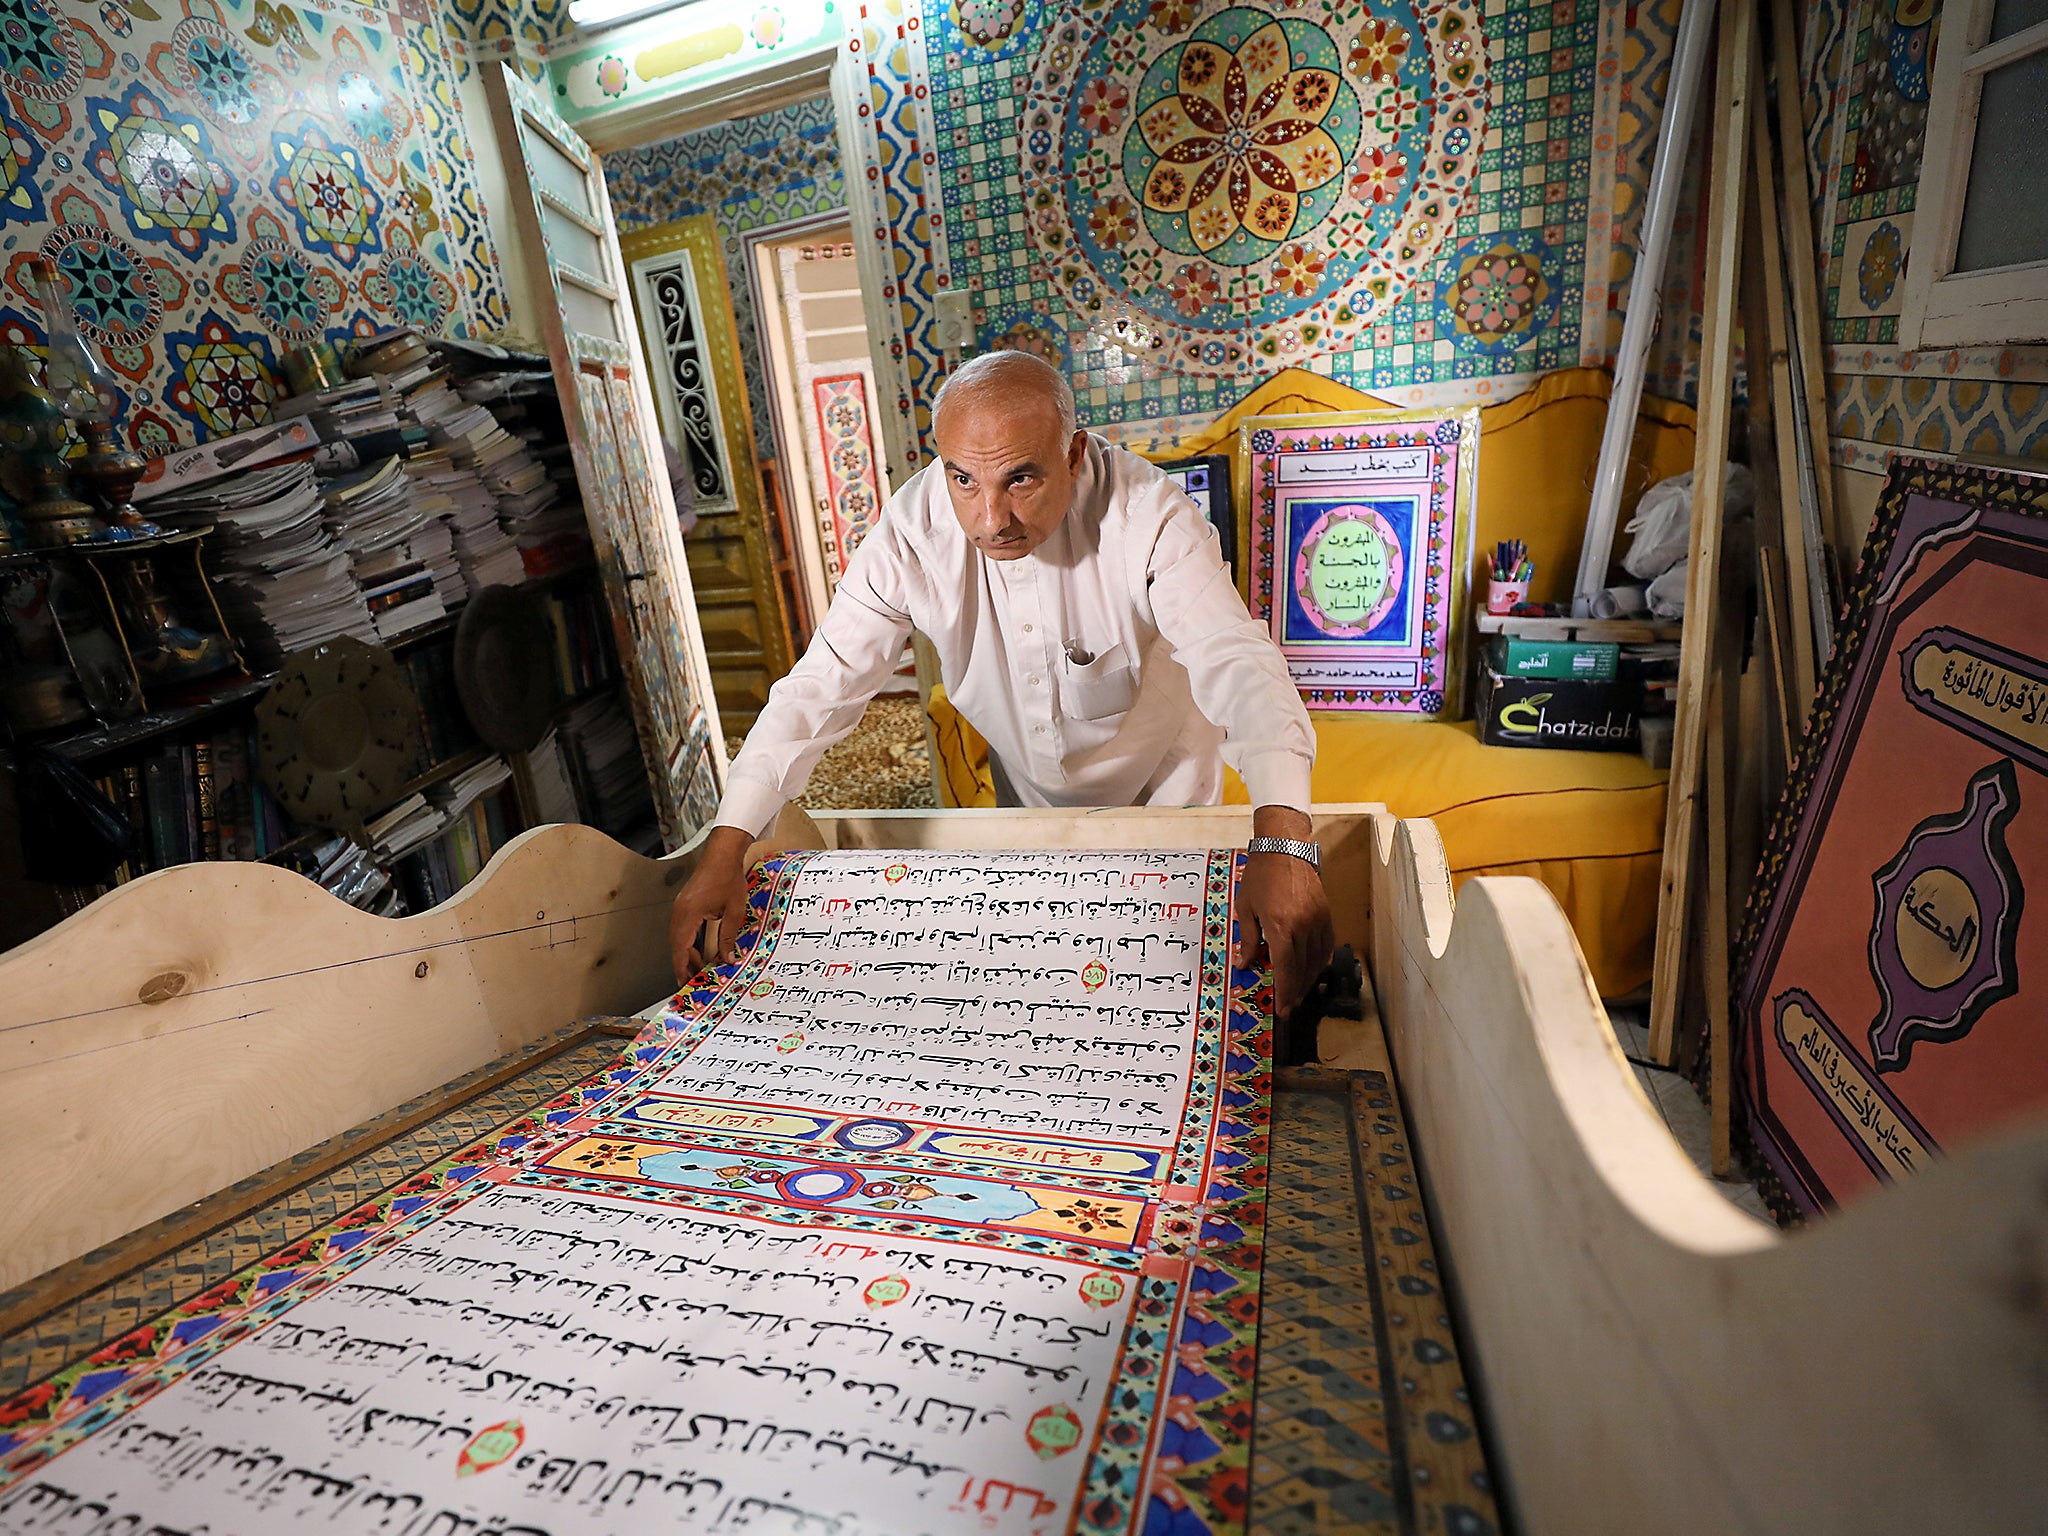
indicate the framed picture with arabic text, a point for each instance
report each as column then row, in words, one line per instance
column 1891, row 1002
column 1357, row 533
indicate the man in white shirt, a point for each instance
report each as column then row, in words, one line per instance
column 1085, row 622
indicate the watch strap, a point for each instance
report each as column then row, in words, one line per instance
column 1308, row 853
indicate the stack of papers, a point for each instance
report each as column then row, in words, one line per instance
column 527, row 464
column 289, row 583
column 418, row 819
column 456, row 795
column 404, row 827
column 393, row 543
column 605, row 755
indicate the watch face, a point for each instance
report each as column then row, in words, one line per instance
column 338, row 734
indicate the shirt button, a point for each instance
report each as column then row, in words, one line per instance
column 1034, row 682
column 1027, row 629
column 1038, row 730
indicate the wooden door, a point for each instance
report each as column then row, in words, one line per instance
column 681, row 291
column 565, row 229
column 835, row 388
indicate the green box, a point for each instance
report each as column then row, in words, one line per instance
column 1584, row 660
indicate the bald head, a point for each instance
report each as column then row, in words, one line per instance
column 1007, row 379
column 1009, row 450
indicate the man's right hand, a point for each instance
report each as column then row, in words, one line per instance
column 717, row 888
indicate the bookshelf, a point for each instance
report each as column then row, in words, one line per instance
column 375, row 509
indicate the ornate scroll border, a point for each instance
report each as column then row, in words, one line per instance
column 1870, row 593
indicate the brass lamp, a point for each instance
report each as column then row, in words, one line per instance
column 78, row 383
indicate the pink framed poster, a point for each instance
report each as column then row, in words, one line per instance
column 847, row 452
column 1358, row 526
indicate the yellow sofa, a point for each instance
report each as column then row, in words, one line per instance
column 1590, row 825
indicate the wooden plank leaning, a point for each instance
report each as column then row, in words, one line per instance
column 1729, row 135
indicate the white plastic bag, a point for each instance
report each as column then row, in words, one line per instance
column 1663, row 522
column 1667, row 592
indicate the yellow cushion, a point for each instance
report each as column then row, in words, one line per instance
column 963, row 753
column 1590, row 825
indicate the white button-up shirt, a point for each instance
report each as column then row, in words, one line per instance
column 1113, row 665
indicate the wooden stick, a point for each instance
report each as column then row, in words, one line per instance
column 1773, row 638
column 1771, row 587
column 1714, row 963
column 1730, row 137
column 1798, row 589
column 1800, row 259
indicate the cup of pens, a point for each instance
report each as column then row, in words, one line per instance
column 1508, row 579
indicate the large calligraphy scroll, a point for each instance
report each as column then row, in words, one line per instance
column 1887, row 1009
column 939, row 1211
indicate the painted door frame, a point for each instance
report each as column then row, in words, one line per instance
column 641, row 560
column 841, row 74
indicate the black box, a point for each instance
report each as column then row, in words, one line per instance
column 1565, row 714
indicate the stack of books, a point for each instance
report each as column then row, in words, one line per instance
column 366, row 416
column 288, row 581
column 438, row 842
column 604, row 760
column 199, row 799
column 393, row 545
column 527, row 462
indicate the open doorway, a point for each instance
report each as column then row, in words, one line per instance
column 814, row 344
column 743, row 277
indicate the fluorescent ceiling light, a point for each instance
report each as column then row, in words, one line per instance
column 603, row 13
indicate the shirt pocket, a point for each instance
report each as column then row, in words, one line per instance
column 1099, row 689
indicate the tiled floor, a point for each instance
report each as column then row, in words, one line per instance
column 1682, row 1108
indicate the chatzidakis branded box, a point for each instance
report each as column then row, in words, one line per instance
column 1565, row 713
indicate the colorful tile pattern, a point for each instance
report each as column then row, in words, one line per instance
column 846, row 433
column 228, row 179
column 773, row 169
column 1057, row 244
column 1865, row 86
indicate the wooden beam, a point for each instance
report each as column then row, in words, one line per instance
column 1802, row 263
column 1729, row 134
column 1714, row 963
column 1770, row 254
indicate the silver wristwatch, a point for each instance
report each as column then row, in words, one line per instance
column 1307, row 852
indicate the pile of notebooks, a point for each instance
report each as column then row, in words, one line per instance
column 520, row 444
column 289, row 580
column 437, row 842
column 403, row 558
column 603, row 757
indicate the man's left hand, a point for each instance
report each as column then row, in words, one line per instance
column 1281, row 899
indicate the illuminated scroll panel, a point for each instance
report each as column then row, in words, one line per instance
column 1021, row 992
column 645, row 1310
column 1358, row 531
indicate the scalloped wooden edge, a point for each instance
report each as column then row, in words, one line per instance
column 1649, row 1358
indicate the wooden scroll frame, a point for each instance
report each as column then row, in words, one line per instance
column 1650, row 1360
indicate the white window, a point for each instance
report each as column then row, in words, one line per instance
column 1979, row 269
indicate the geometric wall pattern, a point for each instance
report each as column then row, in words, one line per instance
column 1866, row 65
column 225, row 180
column 1171, row 198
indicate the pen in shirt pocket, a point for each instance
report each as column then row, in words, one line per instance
column 1078, row 654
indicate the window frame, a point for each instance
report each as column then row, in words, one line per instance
column 2000, row 306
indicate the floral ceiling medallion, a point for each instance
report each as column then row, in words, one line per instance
column 1255, row 188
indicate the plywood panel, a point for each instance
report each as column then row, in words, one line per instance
column 1652, row 1360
